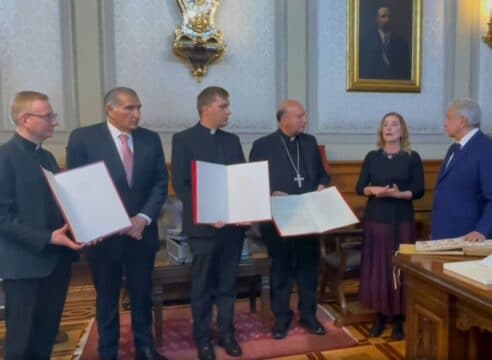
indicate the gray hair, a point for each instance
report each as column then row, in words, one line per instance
column 469, row 109
column 112, row 96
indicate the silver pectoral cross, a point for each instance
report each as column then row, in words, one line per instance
column 299, row 179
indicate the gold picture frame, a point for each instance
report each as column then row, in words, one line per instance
column 401, row 70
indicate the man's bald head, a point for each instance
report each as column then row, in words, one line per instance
column 291, row 117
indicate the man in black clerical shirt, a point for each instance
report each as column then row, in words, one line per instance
column 35, row 252
column 216, row 248
column 295, row 167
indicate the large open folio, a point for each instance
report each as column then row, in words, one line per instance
column 89, row 201
column 230, row 193
column 311, row 213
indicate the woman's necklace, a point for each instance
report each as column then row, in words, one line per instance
column 391, row 155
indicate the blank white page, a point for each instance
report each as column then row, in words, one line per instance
column 210, row 204
column 89, row 201
column 249, row 192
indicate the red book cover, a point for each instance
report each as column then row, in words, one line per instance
column 194, row 196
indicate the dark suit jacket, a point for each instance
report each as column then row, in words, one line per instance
column 192, row 144
column 371, row 64
column 149, row 189
column 28, row 212
column 463, row 195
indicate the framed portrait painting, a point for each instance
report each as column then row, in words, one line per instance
column 384, row 45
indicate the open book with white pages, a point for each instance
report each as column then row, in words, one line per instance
column 311, row 213
column 89, row 201
column 230, row 193
column 453, row 246
column 476, row 272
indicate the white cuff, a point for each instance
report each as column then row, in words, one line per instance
column 147, row 219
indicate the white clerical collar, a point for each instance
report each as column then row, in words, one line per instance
column 291, row 138
column 32, row 144
column 467, row 137
column 210, row 131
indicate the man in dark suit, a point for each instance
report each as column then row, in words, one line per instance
column 463, row 195
column 35, row 252
column 295, row 167
column 135, row 161
column 383, row 53
column 216, row 248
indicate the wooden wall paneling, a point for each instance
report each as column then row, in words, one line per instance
column 344, row 175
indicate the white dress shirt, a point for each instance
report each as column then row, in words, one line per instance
column 115, row 135
column 463, row 141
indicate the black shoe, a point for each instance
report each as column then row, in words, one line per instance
column 148, row 354
column 378, row 326
column 280, row 329
column 206, row 352
column 313, row 326
column 230, row 346
column 397, row 333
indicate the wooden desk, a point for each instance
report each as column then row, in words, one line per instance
column 168, row 273
column 2, row 302
column 446, row 318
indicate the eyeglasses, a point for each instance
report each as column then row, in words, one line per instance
column 48, row 118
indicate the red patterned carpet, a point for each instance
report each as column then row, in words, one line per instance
column 178, row 343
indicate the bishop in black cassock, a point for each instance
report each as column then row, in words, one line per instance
column 295, row 167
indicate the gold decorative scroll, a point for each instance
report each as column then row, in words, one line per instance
column 198, row 42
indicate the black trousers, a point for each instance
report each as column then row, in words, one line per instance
column 33, row 309
column 137, row 263
column 293, row 259
column 214, row 274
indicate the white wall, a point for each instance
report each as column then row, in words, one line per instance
column 139, row 55
column 36, row 53
column 482, row 66
column 294, row 48
column 341, row 117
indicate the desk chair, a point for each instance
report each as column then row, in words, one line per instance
column 340, row 260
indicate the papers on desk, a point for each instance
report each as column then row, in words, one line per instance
column 311, row 213
column 89, row 201
column 478, row 272
column 453, row 246
column 230, row 193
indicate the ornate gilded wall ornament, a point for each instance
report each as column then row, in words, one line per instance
column 198, row 42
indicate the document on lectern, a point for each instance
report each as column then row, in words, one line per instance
column 311, row 213
column 230, row 193
column 89, row 201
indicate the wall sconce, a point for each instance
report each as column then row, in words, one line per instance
column 197, row 41
column 487, row 38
